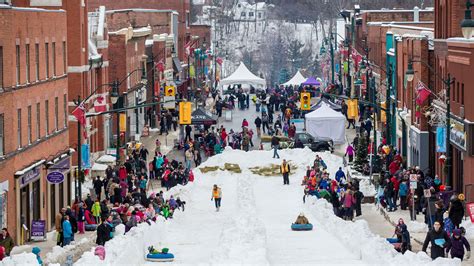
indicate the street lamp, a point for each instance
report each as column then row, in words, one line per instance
column 410, row 74
column 467, row 25
column 363, row 67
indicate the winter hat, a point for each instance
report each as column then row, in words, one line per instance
column 457, row 232
column 36, row 250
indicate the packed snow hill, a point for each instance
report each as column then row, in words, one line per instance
column 253, row 224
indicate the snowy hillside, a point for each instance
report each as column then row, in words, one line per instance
column 253, row 225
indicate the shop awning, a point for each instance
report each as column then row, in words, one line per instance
column 99, row 167
column 106, row 159
column 27, row 169
column 177, row 64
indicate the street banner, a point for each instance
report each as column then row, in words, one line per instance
column 470, row 210
column 441, row 139
column 185, row 110
column 85, row 156
column 123, row 122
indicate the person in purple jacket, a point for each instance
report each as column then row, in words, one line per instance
column 350, row 152
column 458, row 242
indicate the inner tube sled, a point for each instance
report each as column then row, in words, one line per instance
column 301, row 227
column 160, row 257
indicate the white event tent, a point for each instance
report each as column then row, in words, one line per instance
column 243, row 76
column 324, row 122
column 296, row 80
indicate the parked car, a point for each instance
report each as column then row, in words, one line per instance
column 315, row 144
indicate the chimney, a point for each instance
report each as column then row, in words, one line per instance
column 416, row 14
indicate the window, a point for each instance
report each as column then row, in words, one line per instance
column 250, row 14
column 29, row 125
column 46, row 115
column 65, row 110
column 38, row 121
column 53, row 48
column 46, row 45
column 17, row 65
column 243, row 14
column 37, row 61
column 1, row 67
column 259, row 14
column 18, row 135
column 2, row 138
column 462, row 93
column 56, row 113
column 27, row 48
column 64, row 58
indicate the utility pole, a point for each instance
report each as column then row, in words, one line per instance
column 449, row 162
column 79, row 155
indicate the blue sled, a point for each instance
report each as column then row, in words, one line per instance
column 301, row 227
column 160, row 257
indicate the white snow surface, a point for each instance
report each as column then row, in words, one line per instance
column 253, row 225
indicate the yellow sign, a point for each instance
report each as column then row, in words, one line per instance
column 185, row 113
column 352, row 108
column 383, row 116
column 123, row 122
column 170, row 91
column 305, row 101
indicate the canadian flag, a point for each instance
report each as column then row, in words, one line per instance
column 80, row 114
column 219, row 60
column 100, row 104
column 160, row 66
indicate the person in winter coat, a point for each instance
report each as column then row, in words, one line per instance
column 58, row 224
column 245, row 123
column 81, row 218
column 258, row 124
column 458, row 243
column 217, row 196
column 6, row 241
column 348, row 201
column 98, row 187
column 439, row 240
column 405, row 237
column 37, row 251
column 67, row 231
column 359, row 196
column 388, row 194
column 275, row 145
column 438, row 214
column 456, row 211
column 104, row 231
column 285, row 171
column 336, row 204
column 350, row 152
column 403, row 193
column 301, row 219
column 73, row 221
column 96, row 211
column 340, row 175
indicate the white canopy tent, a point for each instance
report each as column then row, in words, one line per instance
column 296, row 80
column 243, row 76
column 324, row 122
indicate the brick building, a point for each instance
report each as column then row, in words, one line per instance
column 128, row 66
column 453, row 56
column 34, row 138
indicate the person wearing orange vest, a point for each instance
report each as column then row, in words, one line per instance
column 217, row 195
column 285, row 170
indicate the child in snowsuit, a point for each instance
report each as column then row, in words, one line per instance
column 458, row 242
column 301, row 219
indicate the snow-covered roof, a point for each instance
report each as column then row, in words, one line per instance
column 244, row 76
column 144, row 10
column 296, row 80
column 132, row 32
column 325, row 111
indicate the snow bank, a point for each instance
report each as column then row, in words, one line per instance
column 20, row 259
column 59, row 254
column 372, row 248
column 469, row 226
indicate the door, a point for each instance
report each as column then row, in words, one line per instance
column 36, row 200
column 25, row 210
column 52, row 189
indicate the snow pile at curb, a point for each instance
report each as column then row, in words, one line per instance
column 358, row 237
column 469, row 226
column 20, row 259
column 59, row 254
column 417, row 227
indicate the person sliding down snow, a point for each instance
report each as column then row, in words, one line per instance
column 216, row 196
column 301, row 219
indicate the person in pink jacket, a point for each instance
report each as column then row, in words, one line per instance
column 350, row 152
column 348, row 201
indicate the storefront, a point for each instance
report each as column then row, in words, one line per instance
column 458, row 139
column 4, row 204
column 28, row 196
column 61, row 192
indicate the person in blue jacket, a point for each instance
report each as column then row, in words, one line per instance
column 36, row 251
column 403, row 193
column 340, row 175
column 67, row 231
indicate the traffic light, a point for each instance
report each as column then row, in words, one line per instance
column 305, row 101
column 170, row 91
column 185, row 113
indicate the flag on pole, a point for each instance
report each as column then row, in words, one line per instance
column 219, row 60
column 422, row 93
column 80, row 113
column 160, row 66
column 100, row 104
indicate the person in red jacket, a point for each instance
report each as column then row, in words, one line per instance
column 245, row 123
column 394, row 167
column 396, row 186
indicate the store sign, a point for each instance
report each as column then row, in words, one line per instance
column 85, row 156
column 63, row 166
column 38, row 230
column 55, row 177
column 458, row 135
column 441, row 139
column 30, row 176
